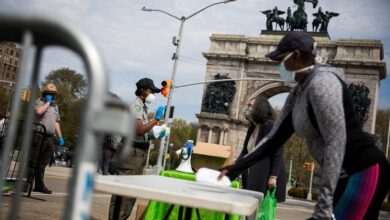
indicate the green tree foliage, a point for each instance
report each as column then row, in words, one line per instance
column 68, row 80
column 181, row 131
column 70, row 99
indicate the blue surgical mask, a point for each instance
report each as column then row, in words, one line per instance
column 287, row 75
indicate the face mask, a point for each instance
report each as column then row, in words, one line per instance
column 249, row 114
column 150, row 98
column 287, row 75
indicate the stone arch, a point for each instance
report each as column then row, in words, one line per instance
column 269, row 90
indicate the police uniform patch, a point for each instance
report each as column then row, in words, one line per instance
column 137, row 108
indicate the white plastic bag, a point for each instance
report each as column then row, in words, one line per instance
column 209, row 177
column 158, row 130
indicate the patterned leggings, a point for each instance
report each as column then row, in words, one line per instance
column 360, row 195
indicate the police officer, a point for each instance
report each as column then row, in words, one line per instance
column 121, row 207
column 47, row 114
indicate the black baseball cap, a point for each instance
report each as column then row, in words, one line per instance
column 146, row 83
column 294, row 40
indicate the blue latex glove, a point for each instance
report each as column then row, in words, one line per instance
column 162, row 134
column 49, row 98
column 159, row 113
column 61, row 141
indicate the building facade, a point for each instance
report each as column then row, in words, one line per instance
column 239, row 56
column 9, row 63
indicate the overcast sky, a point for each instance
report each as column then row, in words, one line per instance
column 136, row 44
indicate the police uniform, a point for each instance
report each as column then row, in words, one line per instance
column 134, row 165
column 43, row 147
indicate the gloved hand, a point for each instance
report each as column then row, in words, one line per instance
column 159, row 113
column 48, row 98
column 61, row 141
column 162, row 134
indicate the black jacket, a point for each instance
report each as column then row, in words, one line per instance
column 256, row 177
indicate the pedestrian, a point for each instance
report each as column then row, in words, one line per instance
column 109, row 145
column 121, row 207
column 355, row 175
column 269, row 172
column 48, row 115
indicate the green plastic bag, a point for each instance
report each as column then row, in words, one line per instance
column 268, row 206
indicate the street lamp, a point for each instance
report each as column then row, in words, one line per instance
column 177, row 43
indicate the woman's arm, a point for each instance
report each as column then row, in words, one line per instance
column 268, row 145
column 326, row 98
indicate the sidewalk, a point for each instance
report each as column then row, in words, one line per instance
column 58, row 171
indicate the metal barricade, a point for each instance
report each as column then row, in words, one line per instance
column 100, row 114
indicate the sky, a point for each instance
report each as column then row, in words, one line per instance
column 134, row 44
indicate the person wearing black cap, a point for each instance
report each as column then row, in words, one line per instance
column 355, row 175
column 121, row 207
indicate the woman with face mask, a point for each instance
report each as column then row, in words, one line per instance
column 268, row 172
column 355, row 175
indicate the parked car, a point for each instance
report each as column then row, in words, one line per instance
column 65, row 155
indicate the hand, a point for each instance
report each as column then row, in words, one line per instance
column 53, row 103
column 61, row 141
column 272, row 182
column 162, row 134
column 49, row 98
column 159, row 113
column 222, row 174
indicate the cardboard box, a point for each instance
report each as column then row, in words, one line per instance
column 213, row 156
column 141, row 207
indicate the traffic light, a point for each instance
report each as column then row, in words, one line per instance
column 26, row 95
column 307, row 166
column 166, row 87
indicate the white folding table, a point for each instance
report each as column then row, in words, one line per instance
column 185, row 193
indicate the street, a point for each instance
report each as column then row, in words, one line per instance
column 42, row 206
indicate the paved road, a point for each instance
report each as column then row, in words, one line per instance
column 42, row 207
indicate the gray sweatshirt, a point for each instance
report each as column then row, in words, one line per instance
column 324, row 91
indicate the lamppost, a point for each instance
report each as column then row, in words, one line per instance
column 177, row 43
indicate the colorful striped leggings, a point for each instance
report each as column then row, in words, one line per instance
column 360, row 195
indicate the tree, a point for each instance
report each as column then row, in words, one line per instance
column 382, row 126
column 68, row 80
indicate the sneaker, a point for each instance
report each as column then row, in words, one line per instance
column 43, row 190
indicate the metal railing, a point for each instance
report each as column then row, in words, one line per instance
column 100, row 114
